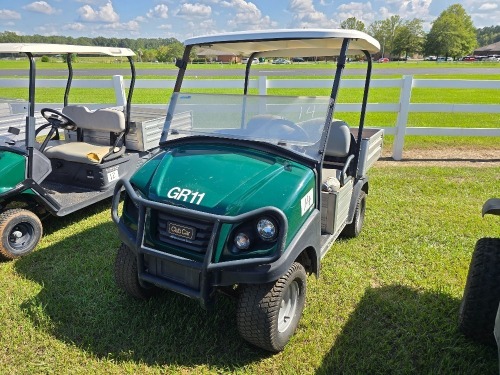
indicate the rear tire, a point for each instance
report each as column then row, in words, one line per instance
column 20, row 232
column 268, row 314
column 354, row 229
column 482, row 292
column 126, row 275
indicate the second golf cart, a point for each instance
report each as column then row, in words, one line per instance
column 43, row 172
column 249, row 191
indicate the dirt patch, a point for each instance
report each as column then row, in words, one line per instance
column 453, row 157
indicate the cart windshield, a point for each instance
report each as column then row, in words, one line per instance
column 291, row 122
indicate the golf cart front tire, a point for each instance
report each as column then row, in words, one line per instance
column 127, row 277
column 20, row 232
column 268, row 314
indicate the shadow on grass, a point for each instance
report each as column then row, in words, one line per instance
column 79, row 304
column 397, row 330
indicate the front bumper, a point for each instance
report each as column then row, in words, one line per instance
column 197, row 279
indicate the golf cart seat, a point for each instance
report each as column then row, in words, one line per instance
column 338, row 152
column 109, row 121
column 268, row 126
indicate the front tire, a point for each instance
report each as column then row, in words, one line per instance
column 20, row 232
column 268, row 314
column 482, row 292
column 127, row 277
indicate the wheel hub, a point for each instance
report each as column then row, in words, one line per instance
column 288, row 306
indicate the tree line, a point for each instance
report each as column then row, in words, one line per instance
column 452, row 35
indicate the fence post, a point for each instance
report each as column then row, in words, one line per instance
column 119, row 90
column 402, row 120
column 262, row 85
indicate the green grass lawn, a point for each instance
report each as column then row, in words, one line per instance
column 386, row 302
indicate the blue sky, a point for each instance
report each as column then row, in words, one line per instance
column 186, row 18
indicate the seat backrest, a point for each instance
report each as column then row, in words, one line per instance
column 339, row 140
column 108, row 120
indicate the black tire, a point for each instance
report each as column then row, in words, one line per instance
column 20, row 232
column 482, row 292
column 354, row 229
column 126, row 276
column 268, row 314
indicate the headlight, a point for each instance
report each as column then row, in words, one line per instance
column 242, row 241
column 266, row 229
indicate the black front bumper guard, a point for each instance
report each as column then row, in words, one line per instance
column 207, row 273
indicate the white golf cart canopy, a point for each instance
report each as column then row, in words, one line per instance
column 55, row 49
column 287, row 43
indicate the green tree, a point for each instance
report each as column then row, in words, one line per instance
column 452, row 33
column 488, row 35
column 353, row 23
column 385, row 32
column 409, row 38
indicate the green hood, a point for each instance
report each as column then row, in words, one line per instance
column 224, row 180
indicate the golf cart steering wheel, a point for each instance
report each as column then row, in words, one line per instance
column 57, row 119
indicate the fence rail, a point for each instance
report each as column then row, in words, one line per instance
column 403, row 108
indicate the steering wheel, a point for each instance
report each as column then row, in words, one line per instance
column 57, row 119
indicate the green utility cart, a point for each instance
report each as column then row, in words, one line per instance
column 59, row 161
column 249, row 191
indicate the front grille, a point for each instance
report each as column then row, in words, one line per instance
column 200, row 241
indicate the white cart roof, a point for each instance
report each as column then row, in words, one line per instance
column 287, row 43
column 54, row 49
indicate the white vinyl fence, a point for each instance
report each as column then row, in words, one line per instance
column 403, row 108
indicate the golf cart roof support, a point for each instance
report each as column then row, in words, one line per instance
column 363, row 106
column 30, row 119
column 247, row 71
column 182, row 65
column 130, row 93
column 70, row 78
column 335, row 89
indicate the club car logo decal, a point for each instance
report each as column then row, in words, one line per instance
column 183, row 231
column 306, row 202
column 185, row 195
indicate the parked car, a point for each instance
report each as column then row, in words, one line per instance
column 281, row 61
column 383, row 60
column 443, row 59
column 430, row 58
column 468, row 58
column 298, row 59
column 248, row 192
column 482, row 289
column 245, row 60
column 45, row 173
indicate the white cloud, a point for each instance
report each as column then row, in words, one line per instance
column 305, row 15
column 41, row 7
column 194, row 10
column 6, row 14
column 488, row 6
column 140, row 19
column 105, row 13
column 165, row 27
column 77, row 26
column 247, row 16
column 159, row 11
column 127, row 26
column 362, row 12
column 415, row 9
